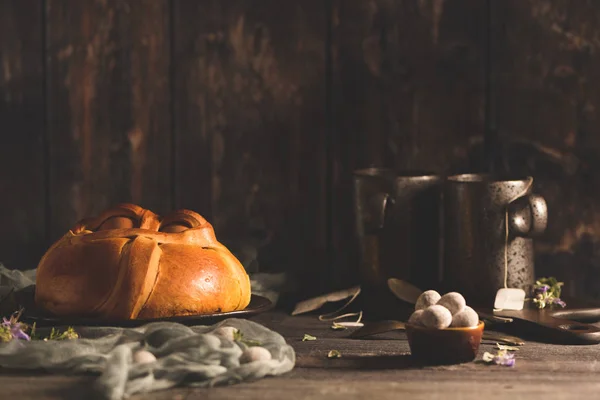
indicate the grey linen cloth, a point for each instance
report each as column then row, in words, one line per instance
column 185, row 356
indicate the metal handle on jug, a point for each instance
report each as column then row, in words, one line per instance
column 378, row 205
column 528, row 216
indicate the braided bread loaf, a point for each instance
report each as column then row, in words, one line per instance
column 128, row 263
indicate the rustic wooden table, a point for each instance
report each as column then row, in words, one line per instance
column 378, row 368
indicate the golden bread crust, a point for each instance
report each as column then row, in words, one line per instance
column 129, row 263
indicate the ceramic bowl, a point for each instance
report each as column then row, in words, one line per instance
column 444, row 346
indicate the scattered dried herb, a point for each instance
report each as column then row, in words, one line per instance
column 502, row 357
column 55, row 334
column 334, row 354
column 308, row 337
column 238, row 336
column 338, row 327
column 546, row 293
column 13, row 329
column 505, row 347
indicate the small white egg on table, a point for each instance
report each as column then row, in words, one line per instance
column 226, row 332
column 143, row 357
column 255, row 353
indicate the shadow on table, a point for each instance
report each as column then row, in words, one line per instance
column 49, row 386
column 74, row 391
column 362, row 362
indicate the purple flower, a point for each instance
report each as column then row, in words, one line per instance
column 558, row 302
column 507, row 359
column 18, row 333
column 15, row 328
column 546, row 292
column 542, row 289
column 503, row 357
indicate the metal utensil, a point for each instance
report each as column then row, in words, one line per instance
column 375, row 328
column 397, row 225
column 480, row 256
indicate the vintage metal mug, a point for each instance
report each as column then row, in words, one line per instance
column 479, row 256
column 397, row 218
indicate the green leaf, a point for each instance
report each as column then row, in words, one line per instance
column 553, row 292
column 308, row 337
column 33, row 333
column 5, row 334
column 55, row 334
column 238, row 336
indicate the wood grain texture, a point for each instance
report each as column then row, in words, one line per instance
column 109, row 118
column 249, row 111
column 463, row 383
column 546, row 71
column 379, row 368
column 22, row 233
column 408, row 89
column 249, row 101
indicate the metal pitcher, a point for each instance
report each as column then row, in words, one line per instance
column 398, row 226
column 480, row 253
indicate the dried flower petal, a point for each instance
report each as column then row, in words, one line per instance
column 558, row 302
column 505, row 358
column 510, row 362
column 238, row 336
column 502, row 357
column 19, row 334
column 5, row 334
column 308, row 337
column 505, row 347
column 546, row 292
column 334, row 354
column 70, row 334
column 542, row 289
column 13, row 329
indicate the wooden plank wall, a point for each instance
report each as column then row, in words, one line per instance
column 23, row 161
column 250, row 126
column 255, row 113
column 408, row 93
column 547, row 76
column 109, row 121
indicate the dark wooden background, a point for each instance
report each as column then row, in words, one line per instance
column 255, row 112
